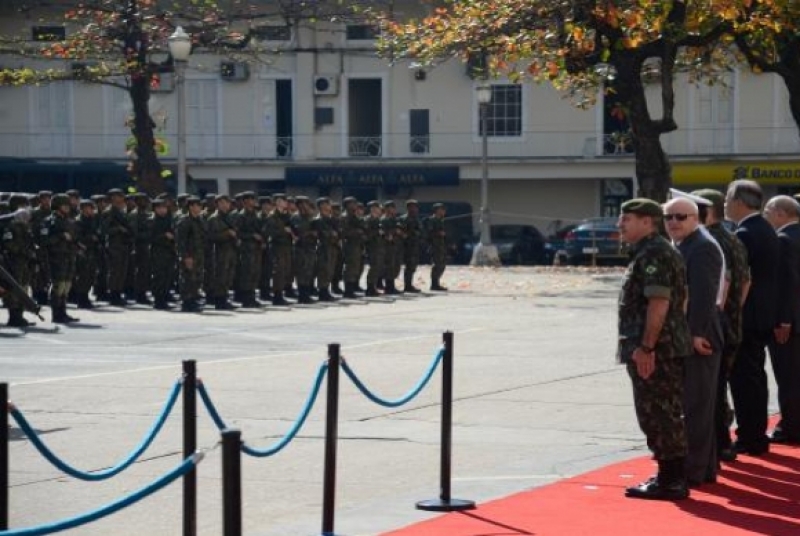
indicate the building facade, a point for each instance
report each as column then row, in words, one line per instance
column 325, row 116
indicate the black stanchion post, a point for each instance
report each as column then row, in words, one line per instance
column 445, row 503
column 231, row 482
column 331, row 438
column 4, row 456
column 190, row 446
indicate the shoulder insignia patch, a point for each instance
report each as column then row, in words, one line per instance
column 650, row 270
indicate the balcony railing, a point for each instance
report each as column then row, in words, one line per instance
column 531, row 145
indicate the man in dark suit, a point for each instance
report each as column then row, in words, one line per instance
column 782, row 212
column 748, row 379
column 705, row 277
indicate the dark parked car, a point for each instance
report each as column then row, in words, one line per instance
column 516, row 244
column 554, row 246
column 595, row 240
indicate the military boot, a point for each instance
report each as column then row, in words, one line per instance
column 17, row 320
column 349, row 291
column 41, row 298
column 408, row 286
column 669, row 484
column 289, row 292
column 304, row 295
column 278, row 300
column 84, row 302
column 116, row 300
column 371, row 292
column 336, row 288
column 248, row 300
column 435, row 285
column 390, row 288
column 326, row 296
column 142, row 299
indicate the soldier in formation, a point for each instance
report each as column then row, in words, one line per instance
column 117, row 249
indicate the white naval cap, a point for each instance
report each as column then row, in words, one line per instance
column 680, row 194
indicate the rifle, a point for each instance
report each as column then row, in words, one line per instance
column 11, row 285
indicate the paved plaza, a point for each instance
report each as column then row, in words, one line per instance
column 538, row 397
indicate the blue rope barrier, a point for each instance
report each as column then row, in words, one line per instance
column 111, row 471
column 290, row 435
column 403, row 399
column 187, row 465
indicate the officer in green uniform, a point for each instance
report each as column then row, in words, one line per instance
column 390, row 239
column 305, row 248
column 141, row 217
column 654, row 338
column 327, row 247
column 411, row 228
column 738, row 278
column 89, row 251
column 62, row 250
column 101, row 280
column 190, row 237
column 251, row 234
column 375, row 247
column 225, row 239
column 437, row 242
column 338, row 265
column 266, row 206
column 41, row 276
column 119, row 236
column 20, row 253
column 353, row 246
column 281, row 237
column 163, row 254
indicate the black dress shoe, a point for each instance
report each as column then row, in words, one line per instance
column 752, row 449
column 655, row 491
column 780, row 437
column 726, row 455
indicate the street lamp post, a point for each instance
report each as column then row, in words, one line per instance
column 180, row 47
column 485, row 253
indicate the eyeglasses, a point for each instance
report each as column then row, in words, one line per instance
column 679, row 217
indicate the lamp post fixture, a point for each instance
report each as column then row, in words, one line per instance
column 485, row 253
column 180, row 47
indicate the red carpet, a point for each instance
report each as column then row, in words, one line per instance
column 752, row 496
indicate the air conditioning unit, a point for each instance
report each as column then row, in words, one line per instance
column 326, row 84
column 234, row 71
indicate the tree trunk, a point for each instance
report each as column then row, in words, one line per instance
column 792, row 81
column 653, row 170
column 146, row 168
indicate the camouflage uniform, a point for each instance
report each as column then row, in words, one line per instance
column 142, row 219
column 327, row 254
column 437, row 241
column 191, row 242
column 20, row 252
column 249, row 227
column 391, row 237
column 411, row 228
column 305, row 254
column 353, row 248
column 375, row 250
column 89, row 251
column 738, row 273
column 222, row 233
column 279, row 229
column 164, row 257
column 62, row 250
column 657, row 271
column 119, row 235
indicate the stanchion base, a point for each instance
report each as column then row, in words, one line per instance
column 441, row 505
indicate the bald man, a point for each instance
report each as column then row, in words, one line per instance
column 783, row 212
column 704, row 271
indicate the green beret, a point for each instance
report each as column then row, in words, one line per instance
column 716, row 197
column 642, row 207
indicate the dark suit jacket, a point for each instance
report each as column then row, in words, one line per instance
column 789, row 277
column 763, row 256
column 703, row 275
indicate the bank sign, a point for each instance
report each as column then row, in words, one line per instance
column 721, row 173
column 372, row 176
